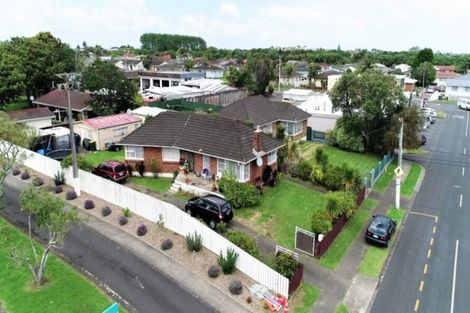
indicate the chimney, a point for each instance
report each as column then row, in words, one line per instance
column 258, row 139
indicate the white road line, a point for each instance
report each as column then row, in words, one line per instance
column 463, row 171
column 466, row 128
column 460, row 200
column 464, row 150
column 455, row 276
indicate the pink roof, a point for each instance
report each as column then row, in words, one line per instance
column 444, row 75
column 111, row 120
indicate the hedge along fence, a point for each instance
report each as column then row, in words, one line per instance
column 186, row 106
column 174, row 219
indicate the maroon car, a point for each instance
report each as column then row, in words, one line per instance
column 113, row 170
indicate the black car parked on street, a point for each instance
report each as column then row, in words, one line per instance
column 211, row 208
column 380, row 230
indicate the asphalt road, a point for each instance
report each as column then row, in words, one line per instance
column 143, row 287
column 426, row 273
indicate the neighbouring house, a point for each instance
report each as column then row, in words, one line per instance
column 322, row 81
column 296, row 79
column 163, row 79
column 406, row 83
column 458, row 87
column 404, row 68
column 129, row 64
column 444, row 73
column 173, row 139
column 382, row 68
column 106, row 130
column 322, row 118
column 144, row 112
column 57, row 100
column 332, row 79
column 211, row 70
column 296, row 96
column 269, row 115
column 36, row 118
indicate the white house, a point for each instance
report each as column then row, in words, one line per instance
column 144, row 111
column 36, row 118
column 165, row 79
column 296, row 95
column 458, row 87
column 332, row 79
column 404, row 68
column 130, row 64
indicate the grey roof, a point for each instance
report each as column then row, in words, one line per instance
column 205, row 134
column 462, row 81
column 261, row 111
column 31, row 114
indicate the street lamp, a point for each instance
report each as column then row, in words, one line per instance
column 71, row 81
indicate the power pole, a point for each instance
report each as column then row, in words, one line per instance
column 399, row 171
column 279, row 77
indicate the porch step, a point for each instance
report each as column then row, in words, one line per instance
column 175, row 187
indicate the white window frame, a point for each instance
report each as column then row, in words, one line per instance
column 246, row 172
column 134, row 152
column 206, row 162
column 272, row 157
column 170, row 155
column 295, row 126
column 242, row 170
column 267, row 129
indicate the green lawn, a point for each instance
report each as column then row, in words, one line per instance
column 364, row 162
column 375, row 257
column 309, row 294
column 340, row 246
column 281, row 209
column 411, row 180
column 97, row 157
column 20, row 104
column 65, row 290
column 384, row 181
column 445, row 101
column 342, row 309
column 160, row 184
column 441, row 115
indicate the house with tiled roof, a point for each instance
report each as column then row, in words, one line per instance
column 269, row 115
column 36, row 118
column 444, row 73
column 201, row 141
column 458, row 87
column 107, row 130
column 57, row 101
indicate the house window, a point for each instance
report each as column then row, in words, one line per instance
column 134, row 153
column 272, row 157
column 292, row 129
column 205, row 162
column 246, row 172
column 268, row 129
column 241, row 172
column 455, row 88
column 174, row 83
column 165, row 83
column 120, row 132
column 171, row 154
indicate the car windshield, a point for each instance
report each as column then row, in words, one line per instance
column 226, row 207
column 120, row 168
column 379, row 226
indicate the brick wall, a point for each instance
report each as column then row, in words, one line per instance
column 257, row 171
column 156, row 154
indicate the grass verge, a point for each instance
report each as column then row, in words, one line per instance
column 342, row 309
column 440, row 115
column 409, row 185
column 97, row 157
column 305, row 298
column 340, row 246
column 65, row 289
column 445, row 101
column 375, row 257
column 384, row 181
column 160, row 184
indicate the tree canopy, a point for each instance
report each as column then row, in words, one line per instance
column 425, row 74
column 151, row 42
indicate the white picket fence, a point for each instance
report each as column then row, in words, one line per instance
column 175, row 219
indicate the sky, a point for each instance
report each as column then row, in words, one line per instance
column 381, row 24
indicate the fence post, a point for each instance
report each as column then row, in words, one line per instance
column 380, row 167
column 365, row 182
column 372, row 181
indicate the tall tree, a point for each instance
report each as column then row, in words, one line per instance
column 369, row 101
column 289, row 68
column 425, row 74
column 313, row 72
column 262, row 73
column 12, row 77
column 112, row 90
column 151, row 42
column 51, row 216
column 424, row 55
column 12, row 137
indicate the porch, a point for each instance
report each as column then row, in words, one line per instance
column 193, row 183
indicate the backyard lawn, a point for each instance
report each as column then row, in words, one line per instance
column 160, row 184
column 364, row 162
column 281, row 209
column 305, row 298
column 65, row 290
column 409, row 185
column 97, row 157
column 375, row 257
column 340, row 246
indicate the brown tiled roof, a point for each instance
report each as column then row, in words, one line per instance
column 445, row 75
column 58, row 99
column 30, row 114
column 261, row 111
column 200, row 133
column 444, row 68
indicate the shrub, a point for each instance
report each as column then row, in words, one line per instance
column 141, row 230
column 194, row 242
column 235, row 287
column 243, row 241
column 82, row 163
column 213, row 271
column 303, row 170
column 285, row 264
column 59, row 178
column 105, row 211
column 228, row 262
column 317, row 176
column 321, row 157
column 58, row 189
column 221, row 227
column 38, row 181
column 339, row 137
column 140, row 168
column 267, row 174
column 333, row 178
column 25, row 176
column 175, row 174
column 126, row 212
column 238, row 194
column 154, row 167
column 167, row 244
column 340, row 203
column 130, row 169
column 321, row 221
column 123, row 220
column 16, row 172
column 70, row 195
column 89, row 204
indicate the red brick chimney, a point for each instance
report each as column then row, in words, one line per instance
column 258, row 139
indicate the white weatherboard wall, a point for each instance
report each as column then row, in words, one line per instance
column 175, row 219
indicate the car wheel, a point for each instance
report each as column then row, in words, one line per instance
column 212, row 224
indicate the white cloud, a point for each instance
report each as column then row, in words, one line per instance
column 230, row 9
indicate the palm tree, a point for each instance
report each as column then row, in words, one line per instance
column 289, row 68
column 313, row 72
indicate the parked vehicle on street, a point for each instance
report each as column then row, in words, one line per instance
column 464, row 103
column 211, row 208
column 380, row 230
column 430, row 111
column 113, row 170
column 423, row 140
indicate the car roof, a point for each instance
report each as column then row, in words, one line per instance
column 381, row 218
column 215, row 199
column 113, row 163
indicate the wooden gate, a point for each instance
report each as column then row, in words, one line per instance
column 304, row 241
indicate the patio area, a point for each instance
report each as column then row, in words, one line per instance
column 193, row 183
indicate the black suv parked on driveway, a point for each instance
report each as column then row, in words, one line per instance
column 211, row 208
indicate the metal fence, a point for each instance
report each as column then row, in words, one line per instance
column 174, row 219
column 380, row 169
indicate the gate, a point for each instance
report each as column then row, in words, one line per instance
column 304, row 241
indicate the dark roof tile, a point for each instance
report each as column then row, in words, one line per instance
column 58, row 98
